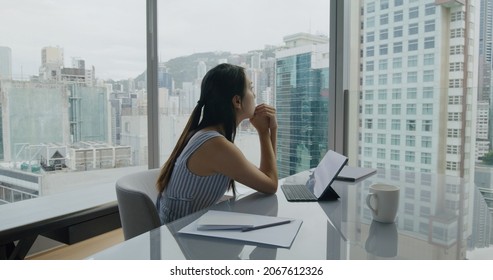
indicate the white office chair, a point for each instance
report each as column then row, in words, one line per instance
column 136, row 194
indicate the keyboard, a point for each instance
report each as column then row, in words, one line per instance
column 298, row 193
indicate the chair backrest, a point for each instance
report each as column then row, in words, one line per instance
column 136, row 194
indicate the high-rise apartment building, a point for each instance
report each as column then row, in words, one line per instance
column 301, row 89
column 418, row 85
column 5, row 63
column 484, row 70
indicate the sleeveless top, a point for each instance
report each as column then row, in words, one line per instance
column 186, row 192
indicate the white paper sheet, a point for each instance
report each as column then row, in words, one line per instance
column 281, row 235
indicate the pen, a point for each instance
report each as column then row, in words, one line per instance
column 267, row 225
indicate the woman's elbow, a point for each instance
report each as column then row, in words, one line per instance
column 271, row 189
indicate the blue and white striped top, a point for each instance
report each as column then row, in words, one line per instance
column 186, row 192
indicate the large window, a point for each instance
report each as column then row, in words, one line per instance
column 73, row 81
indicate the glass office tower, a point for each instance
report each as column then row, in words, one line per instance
column 301, row 102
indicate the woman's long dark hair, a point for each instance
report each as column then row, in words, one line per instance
column 218, row 88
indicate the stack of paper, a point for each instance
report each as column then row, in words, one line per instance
column 247, row 227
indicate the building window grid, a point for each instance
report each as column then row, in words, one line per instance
column 398, row 16
column 411, row 125
column 427, row 125
column 429, row 59
column 382, row 124
column 412, row 45
column 413, row 12
column 397, row 48
column 409, row 156
column 382, row 109
column 411, row 93
column 397, row 62
column 430, row 9
column 395, row 139
column 381, row 153
column 453, row 149
column 384, row 19
column 456, row 67
column 428, row 76
column 429, row 42
column 395, row 155
column 410, row 140
column 396, row 109
column 411, row 109
column 396, row 93
column 382, row 79
column 455, row 116
column 457, row 50
column 382, row 94
column 456, row 83
column 426, row 141
column 383, row 49
column 397, row 79
column 455, row 100
column 396, row 124
column 398, row 31
column 430, row 25
column 384, row 34
column 427, row 92
column 381, row 138
column 382, row 64
column 451, row 165
column 453, row 133
column 457, row 33
column 412, row 61
column 413, row 29
column 412, row 77
column 426, row 158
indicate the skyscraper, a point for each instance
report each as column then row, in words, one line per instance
column 484, row 71
column 301, row 100
column 418, row 85
column 5, row 63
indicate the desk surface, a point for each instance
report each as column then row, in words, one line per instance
column 439, row 218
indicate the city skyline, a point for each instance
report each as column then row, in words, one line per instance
column 113, row 39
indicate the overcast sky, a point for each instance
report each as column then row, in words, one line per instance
column 111, row 34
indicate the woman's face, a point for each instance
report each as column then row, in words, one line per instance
column 248, row 102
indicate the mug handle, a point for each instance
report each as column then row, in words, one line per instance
column 368, row 197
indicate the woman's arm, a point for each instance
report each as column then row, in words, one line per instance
column 218, row 155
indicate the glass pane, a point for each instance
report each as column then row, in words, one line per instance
column 72, row 78
column 440, row 122
column 283, row 45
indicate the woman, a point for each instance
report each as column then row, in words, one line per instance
column 205, row 162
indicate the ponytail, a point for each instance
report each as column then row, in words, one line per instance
column 190, row 129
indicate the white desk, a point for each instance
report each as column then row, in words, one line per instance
column 439, row 218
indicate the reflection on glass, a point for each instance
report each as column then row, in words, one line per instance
column 202, row 248
column 382, row 240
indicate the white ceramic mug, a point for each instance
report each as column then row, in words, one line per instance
column 383, row 201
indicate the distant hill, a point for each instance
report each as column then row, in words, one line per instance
column 184, row 68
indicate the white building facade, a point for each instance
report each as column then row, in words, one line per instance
column 418, row 86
